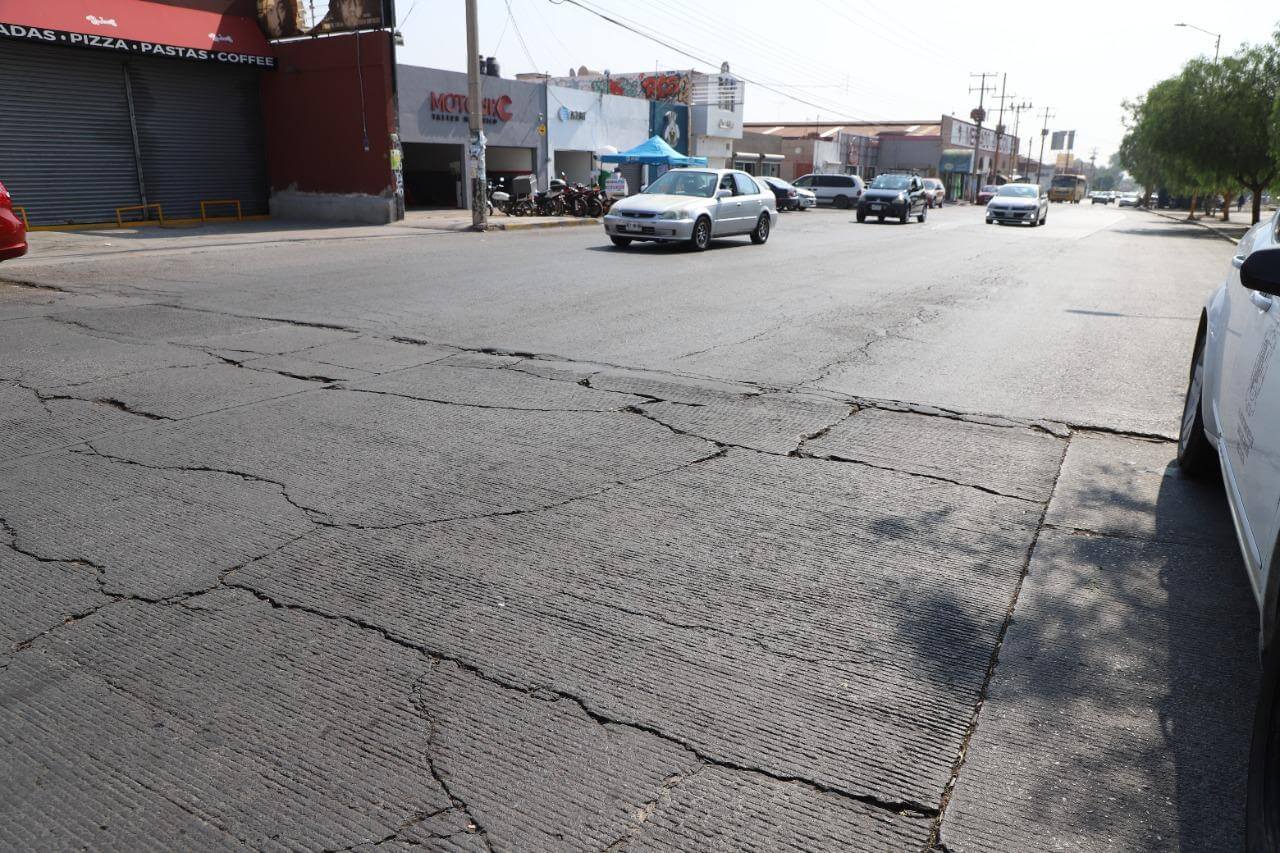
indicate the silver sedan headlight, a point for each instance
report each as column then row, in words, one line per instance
column 675, row 214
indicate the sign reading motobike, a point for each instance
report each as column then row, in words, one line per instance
column 451, row 106
column 74, row 39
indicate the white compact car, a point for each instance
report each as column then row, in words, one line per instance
column 694, row 205
column 1231, row 421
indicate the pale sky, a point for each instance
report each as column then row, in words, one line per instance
column 863, row 60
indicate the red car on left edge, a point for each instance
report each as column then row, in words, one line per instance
column 13, row 234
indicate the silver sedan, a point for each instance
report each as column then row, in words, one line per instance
column 1019, row 203
column 694, row 205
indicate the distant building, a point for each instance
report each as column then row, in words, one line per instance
column 941, row 148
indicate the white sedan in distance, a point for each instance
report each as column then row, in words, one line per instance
column 693, row 206
column 1231, row 424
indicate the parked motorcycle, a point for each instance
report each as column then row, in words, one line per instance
column 521, row 202
column 499, row 200
column 551, row 202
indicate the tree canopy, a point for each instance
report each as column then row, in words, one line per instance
column 1214, row 127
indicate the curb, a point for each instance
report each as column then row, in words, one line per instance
column 529, row 226
column 508, row 224
column 1224, row 235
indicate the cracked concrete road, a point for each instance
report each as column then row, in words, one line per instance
column 866, row 540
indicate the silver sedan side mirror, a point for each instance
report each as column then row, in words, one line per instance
column 1261, row 271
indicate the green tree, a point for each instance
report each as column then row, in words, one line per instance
column 1210, row 128
column 1156, row 150
column 1245, row 87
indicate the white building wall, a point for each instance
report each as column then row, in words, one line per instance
column 715, row 116
column 606, row 120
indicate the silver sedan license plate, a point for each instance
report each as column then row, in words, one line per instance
column 633, row 226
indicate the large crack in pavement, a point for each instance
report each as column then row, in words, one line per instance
column 718, row 449
column 906, row 808
column 800, row 453
column 935, row 832
column 458, row 803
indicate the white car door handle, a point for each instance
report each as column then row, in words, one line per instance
column 1237, row 261
column 1261, row 300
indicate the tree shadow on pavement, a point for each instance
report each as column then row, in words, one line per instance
column 1189, row 229
column 1121, row 707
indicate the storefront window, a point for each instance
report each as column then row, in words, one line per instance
column 769, row 170
column 748, row 166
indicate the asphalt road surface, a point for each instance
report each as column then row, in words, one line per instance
column 865, row 539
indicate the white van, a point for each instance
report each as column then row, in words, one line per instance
column 841, row 190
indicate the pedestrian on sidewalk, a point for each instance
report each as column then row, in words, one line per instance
column 1240, row 202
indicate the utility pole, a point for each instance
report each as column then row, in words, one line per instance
column 978, row 115
column 995, row 159
column 1044, row 132
column 475, row 122
column 1018, row 110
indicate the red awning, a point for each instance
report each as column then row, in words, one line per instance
column 139, row 27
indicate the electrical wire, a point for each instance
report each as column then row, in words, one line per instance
column 784, row 59
column 405, row 19
column 528, row 54
column 688, row 53
column 503, row 34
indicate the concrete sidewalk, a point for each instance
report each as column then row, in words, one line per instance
column 59, row 246
column 1118, row 718
column 1232, row 230
column 460, row 220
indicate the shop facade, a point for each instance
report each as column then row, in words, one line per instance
column 707, row 107
column 140, row 111
column 585, row 124
column 965, row 170
column 434, row 134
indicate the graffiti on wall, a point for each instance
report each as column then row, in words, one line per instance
column 659, row 86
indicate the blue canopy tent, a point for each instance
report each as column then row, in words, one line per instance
column 654, row 151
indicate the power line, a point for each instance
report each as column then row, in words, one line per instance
column 777, row 57
column 689, row 54
column 511, row 13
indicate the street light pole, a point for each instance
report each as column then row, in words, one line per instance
column 475, row 123
column 1217, row 38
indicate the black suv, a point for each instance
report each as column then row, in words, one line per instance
column 900, row 196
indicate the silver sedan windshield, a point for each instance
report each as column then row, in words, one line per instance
column 697, row 184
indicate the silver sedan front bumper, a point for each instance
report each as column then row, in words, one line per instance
column 1019, row 214
column 643, row 228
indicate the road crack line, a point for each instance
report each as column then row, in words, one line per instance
column 905, row 808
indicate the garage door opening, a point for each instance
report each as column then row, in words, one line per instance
column 433, row 176
column 575, row 167
column 503, row 163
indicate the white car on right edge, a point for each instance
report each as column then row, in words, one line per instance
column 1231, row 421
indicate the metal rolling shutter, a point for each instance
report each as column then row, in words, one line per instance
column 634, row 173
column 66, row 148
column 200, row 133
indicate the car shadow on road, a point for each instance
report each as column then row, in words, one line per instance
column 667, row 247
